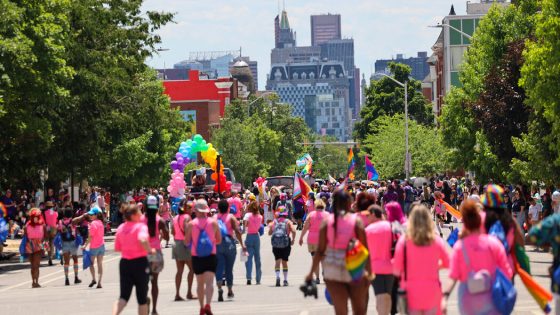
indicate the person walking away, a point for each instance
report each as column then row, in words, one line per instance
column 132, row 241
column 51, row 219
column 361, row 206
column 419, row 255
column 535, row 211
column 165, row 214
column 334, row 237
column 312, row 225
column 205, row 235
column 35, row 231
column 474, row 252
column 96, row 243
column 182, row 251
column 380, row 240
column 226, row 251
column 280, row 230
column 156, row 228
column 252, row 241
column 439, row 212
column 409, row 197
column 68, row 232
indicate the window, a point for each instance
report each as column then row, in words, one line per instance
column 455, row 79
column 454, row 36
column 468, row 27
column 457, row 53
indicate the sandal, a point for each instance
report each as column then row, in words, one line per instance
column 191, row 297
column 178, row 298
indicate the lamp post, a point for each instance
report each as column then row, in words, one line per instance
column 44, row 176
column 407, row 159
column 164, row 67
column 255, row 100
column 453, row 28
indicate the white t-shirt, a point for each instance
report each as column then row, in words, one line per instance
column 534, row 211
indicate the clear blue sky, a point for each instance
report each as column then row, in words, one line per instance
column 380, row 29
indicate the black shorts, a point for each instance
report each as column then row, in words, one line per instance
column 383, row 284
column 204, row 264
column 299, row 215
column 282, row 253
column 134, row 273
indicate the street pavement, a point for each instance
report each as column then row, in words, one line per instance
column 17, row 297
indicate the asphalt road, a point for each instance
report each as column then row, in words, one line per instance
column 17, row 297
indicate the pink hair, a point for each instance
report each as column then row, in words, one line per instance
column 394, row 212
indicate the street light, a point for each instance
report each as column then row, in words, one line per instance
column 453, row 28
column 258, row 98
column 407, row 161
column 44, row 176
column 164, row 67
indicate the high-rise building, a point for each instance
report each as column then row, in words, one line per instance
column 328, row 115
column 339, row 50
column 325, row 27
column 419, row 65
column 283, row 34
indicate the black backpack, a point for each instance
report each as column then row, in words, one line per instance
column 67, row 234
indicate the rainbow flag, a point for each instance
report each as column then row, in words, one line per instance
column 370, row 170
column 301, row 189
column 454, row 212
column 356, row 259
column 540, row 294
column 351, row 165
column 306, row 162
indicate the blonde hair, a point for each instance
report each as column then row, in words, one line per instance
column 320, row 204
column 420, row 226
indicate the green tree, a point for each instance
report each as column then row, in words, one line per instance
column 540, row 147
column 386, row 147
column 386, row 98
column 330, row 159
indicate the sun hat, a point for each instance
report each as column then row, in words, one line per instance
column 201, row 206
column 493, row 197
column 152, row 203
column 94, row 211
column 252, row 197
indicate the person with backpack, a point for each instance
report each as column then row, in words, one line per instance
column 340, row 230
column 312, row 225
column 409, row 197
column 419, row 256
column 156, row 227
column 280, row 230
column 68, row 233
column 34, row 232
column 204, row 234
column 182, row 251
column 475, row 261
column 133, row 242
column 226, row 251
column 252, row 224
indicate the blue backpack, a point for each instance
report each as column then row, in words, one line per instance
column 223, row 228
column 204, row 246
column 453, row 237
column 504, row 294
column 497, row 230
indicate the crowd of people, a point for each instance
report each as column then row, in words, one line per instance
column 399, row 226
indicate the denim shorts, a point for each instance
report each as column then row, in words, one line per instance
column 99, row 251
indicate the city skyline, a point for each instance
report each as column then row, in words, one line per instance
column 217, row 23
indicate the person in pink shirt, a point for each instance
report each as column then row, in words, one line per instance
column 156, row 227
column 35, row 232
column 51, row 219
column 96, row 232
column 235, row 205
column 380, row 240
column 312, row 225
column 253, row 222
column 132, row 241
column 204, row 234
column 181, row 251
column 419, row 255
column 362, row 204
column 475, row 252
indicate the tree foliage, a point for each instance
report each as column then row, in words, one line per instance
column 386, row 147
column 386, row 98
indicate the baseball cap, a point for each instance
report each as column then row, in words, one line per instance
column 152, row 203
column 201, row 206
column 94, row 211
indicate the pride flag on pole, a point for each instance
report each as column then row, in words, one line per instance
column 351, row 165
column 306, row 162
column 301, row 189
column 371, row 171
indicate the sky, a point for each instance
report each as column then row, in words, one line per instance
column 380, row 29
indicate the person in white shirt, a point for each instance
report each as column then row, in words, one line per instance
column 535, row 209
column 556, row 201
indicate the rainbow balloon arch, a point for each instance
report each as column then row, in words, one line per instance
column 188, row 153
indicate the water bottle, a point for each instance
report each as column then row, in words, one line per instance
column 20, row 258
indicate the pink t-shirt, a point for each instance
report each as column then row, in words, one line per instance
column 96, row 233
column 254, row 223
column 235, row 202
column 315, row 219
column 179, row 227
column 35, row 232
column 310, row 204
column 199, row 225
column 165, row 213
column 345, row 231
column 154, row 240
column 484, row 252
column 51, row 217
column 128, row 238
column 439, row 208
column 379, row 239
column 226, row 218
column 423, row 264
